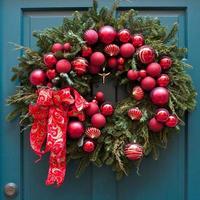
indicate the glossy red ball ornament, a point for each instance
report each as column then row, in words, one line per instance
column 80, row 65
column 67, row 47
column 146, row 54
column 153, row 69
column 49, row 60
column 127, row 50
column 37, row 77
column 97, row 59
column 51, row 73
column 94, row 69
column 162, row 115
column 133, row 151
column 165, row 62
column 172, row 121
column 138, row 93
column 57, row 47
column 98, row 120
column 111, row 49
column 93, row 132
column 142, row 73
column 154, row 125
column 107, row 34
column 63, row 66
column 135, row 113
column 120, row 61
column 137, row 40
column 148, row 83
column 91, row 36
column 100, row 97
column 132, row 75
column 159, row 96
column 163, row 80
column 75, row 129
column 107, row 109
column 112, row 63
column 124, row 35
column 92, row 109
column 86, row 51
column 88, row 146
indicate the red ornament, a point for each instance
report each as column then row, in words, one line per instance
column 91, row 36
column 56, row 47
column 93, row 132
column 49, row 85
column 94, row 69
column 163, row 80
column 107, row 109
column 146, row 54
column 111, row 49
column 37, row 77
column 88, row 146
column 137, row 40
column 67, row 46
column 75, row 129
column 159, row 96
column 97, row 59
column 162, row 115
column 49, row 60
column 133, row 151
column 165, row 62
column 172, row 121
column 107, row 34
column 120, row 67
column 63, row 66
column 51, row 73
column 112, row 63
column 138, row 93
column 142, row 73
column 86, row 51
column 100, row 97
column 80, row 65
column 124, row 35
column 120, row 61
column 135, row 113
column 154, row 125
column 92, row 109
column 132, row 74
column 148, row 83
column 98, row 120
column 127, row 50
column 153, row 69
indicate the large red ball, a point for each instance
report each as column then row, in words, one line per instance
column 100, row 97
column 107, row 109
column 165, row 62
column 153, row 69
column 154, row 125
column 107, row 34
column 124, row 35
column 127, row 50
column 159, row 96
column 37, row 77
column 112, row 63
column 75, row 129
column 137, row 40
column 57, row 47
column 49, row 60
column 63, row 66
column 91, row 36
column 172, row 121
column 94, row 69
column 97, row 59
column 132, row 75
column 92, row 109
column 148, row 83
column 162, row 115
column 88, row 146
column 163, row 80
column 98, row 120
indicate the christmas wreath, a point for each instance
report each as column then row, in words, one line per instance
column 55, row 98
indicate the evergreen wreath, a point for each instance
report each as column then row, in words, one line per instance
column 54, row 96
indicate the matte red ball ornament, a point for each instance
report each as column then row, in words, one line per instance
column 98, row 120
column 91, row 36
column 67, row 47
column 63, row 66
column 148, row 83
column 37, row 77
column 163, row 80
column 138, row 93
column 132, row 75
column 127, row 50
column 135, row 113
column 80, row 65
column 172, row 121
column 111, row 49
column 75, row 129
column 153, row 69
column 107, row 109
column 49, row 60
column 146, row 54
column 159, row 96
column 97, row 59
column 137, row 40
column 107, row 34
column 100, row 97
column 86, row 51
column 142, row 73
column 51, row 73
column 133, row 151
column 92, row 109
column 93, row 132
column 88, row 146
column 154, row 125
column 57, row 47
column 112, row 63
column 165, row 62
column 124, row 35
column 162, row 115
column 94, row 69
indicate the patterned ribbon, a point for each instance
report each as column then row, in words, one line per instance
column 51, row 114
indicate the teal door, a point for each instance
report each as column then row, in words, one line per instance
column 175, row 176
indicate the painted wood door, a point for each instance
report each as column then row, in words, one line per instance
column 175, row 176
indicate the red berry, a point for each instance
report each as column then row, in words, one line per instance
column 98, row 120
column 112, row 63
column 67, row 46
column 153, row 69
column 148, row 83
column 91, row 36
column 127, row 50
column 49, row 60
column 132, row 74
column 138, row 93
column 57, row 47
column 137, row 40
column 165, row 62
column 107, row 109
column 100, row 97
column 120, row 61
column 124, row 35
column 172, row 121
column 51, row 73
column 155, row 126
column 163, row 80
column 37, row 77
column 88, row 146
column 162, row 115
column 92, row 109
column 63, row 66
column 142, row 73
column 97, row 59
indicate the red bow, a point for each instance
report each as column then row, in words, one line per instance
column 51, row 113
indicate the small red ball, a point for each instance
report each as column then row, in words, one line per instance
column 159, row 96
column 92, row 109
column 107, row 109
column 57, row 47
column 137, row 40
column 142, row 73
column 98, row 120
column 94, row 69
column 100, row 97
column 165, row 62
column 120, row 61
column 132, row 74
column 88, row 146
column 146, row 54
column 49, row 60
column 127, row 50
column 153, row 69
column 107, row 34
column 86, row 51
column 148, row 83
column 133, row 151
column 75, row 129
column 112, row 63
column 124, row 35
column 63, row 66
column 172, row 121
column 37, row 77
column 51, row 73
column 97, row 59
column 162, row 115
column 154, row 125
column 91, row 36
column 163, row 80
column 67, row 46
